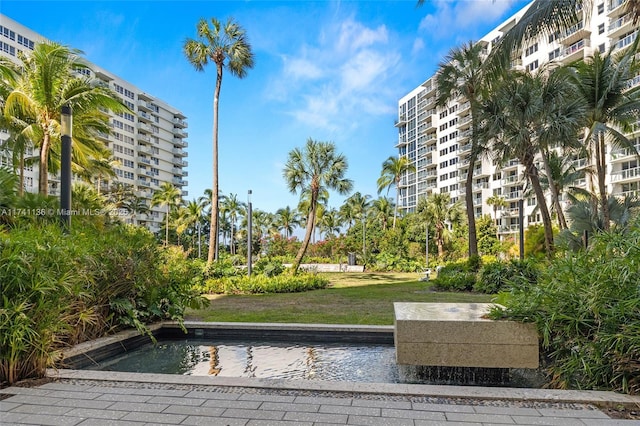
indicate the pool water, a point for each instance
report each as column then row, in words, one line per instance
column 338, row 362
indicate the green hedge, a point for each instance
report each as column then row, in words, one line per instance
column 264, row 284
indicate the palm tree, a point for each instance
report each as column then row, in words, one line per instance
column 305, row 205
column 46, row 82
column 561, row 176
column 228, row 48
column 437, row 210
column 315, row 168
column 462, row 74
column 168, row 195
column 135, row 205
column 544, row 17
column 523, row 114
column 382, row 210
column 231, row 206
column 602, row 82
column 393, row 168
column 286, row 220
column 329, row 223
column 190, row 217
column 497, row 202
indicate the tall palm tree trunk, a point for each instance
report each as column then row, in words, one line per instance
column 166, row 228
column 534, row 178
column 43, row 177
column 307, row 235
column 468, row 193
column 213, row 232
column 555, row 196
column 21, row 187
column 395, row 210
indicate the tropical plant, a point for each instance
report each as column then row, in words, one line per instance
column 169, row 196
column 382, row 209
column 46, row 81
column 286, row 220
column 437, row 210
column 462, row 74
column 314, row 169
column 602, row 83
column 227, row 46
column 393, row 169
column 497, row 202
column 523, row 114
column 232, row 207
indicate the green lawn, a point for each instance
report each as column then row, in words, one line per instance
column 352, row 298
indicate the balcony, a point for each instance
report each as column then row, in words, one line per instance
column 144, row 138
column 401, row 121
column 144, row 183
column 625, row 175
column 178, row 181
column 625, row 41
column 185, row 193
column 145, row 106
column 179, row 122
column 513, row 195
column 620, row 26
column 510, row 180
column 179, row 141
column 144, row 160
column 402, row 141
column 179, row 151
column 145, row 116
column 143, row 127
column 616, row 8
column 624, row 153
column 179, row 132
column 145, row 149
column 575, row 51
column 464, row 148
column 480, row 186
column 575, row 33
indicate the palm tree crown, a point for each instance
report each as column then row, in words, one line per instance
column 314, row 169
column 228, row 48
column 393, row 168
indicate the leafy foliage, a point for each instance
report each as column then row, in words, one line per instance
column 264, row 284
column 586, row 306
column 501, row 276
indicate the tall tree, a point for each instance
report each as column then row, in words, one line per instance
column 228, row 48
column 312, row 169
column 232, row 207
column 437, row 210
column 393, row 168
column 169, row 196
column 382, row 210
column 48, row 80
column 521, row 116
column 602, row 82
column 497, row 202
column 286, row 220
column 462, row 74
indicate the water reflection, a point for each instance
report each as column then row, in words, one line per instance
column 363, row 363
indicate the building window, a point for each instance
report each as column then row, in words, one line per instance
column 600, row 28
column 531, row 50
column 554, row 54
column 533, row 65
column 600, row 8
column 601, row 48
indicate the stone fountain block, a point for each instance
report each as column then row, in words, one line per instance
column 460, row 335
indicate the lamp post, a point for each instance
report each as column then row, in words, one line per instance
column 249, row 225
column 66, row 123
column 198, row 227
column 364, row 232
column 427, row 246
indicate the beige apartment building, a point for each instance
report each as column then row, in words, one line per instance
column 149, row 145
column 437, row 139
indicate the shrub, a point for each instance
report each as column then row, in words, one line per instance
column 586, row 306
column 264, row 284
column 500, row 276
column 457, row 276
column 269, row 267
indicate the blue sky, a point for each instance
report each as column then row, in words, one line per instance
column 327, row 70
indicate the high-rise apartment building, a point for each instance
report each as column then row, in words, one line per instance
column 149, row 145
column 437, row 139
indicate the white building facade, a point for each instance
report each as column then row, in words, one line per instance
column 149, row 146
column 437, row 139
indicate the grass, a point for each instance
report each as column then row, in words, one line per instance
column 352, row 298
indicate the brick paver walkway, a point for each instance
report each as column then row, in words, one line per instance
column 74, row 402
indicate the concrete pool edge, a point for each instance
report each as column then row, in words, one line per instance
column 603, row 399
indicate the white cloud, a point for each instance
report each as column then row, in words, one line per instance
column 343, row 76
column 418, row 46
column 462, row 16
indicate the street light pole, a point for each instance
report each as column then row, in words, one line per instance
column 249, row 232
column 427, row 247
column 521, row 223
column 66, row 123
